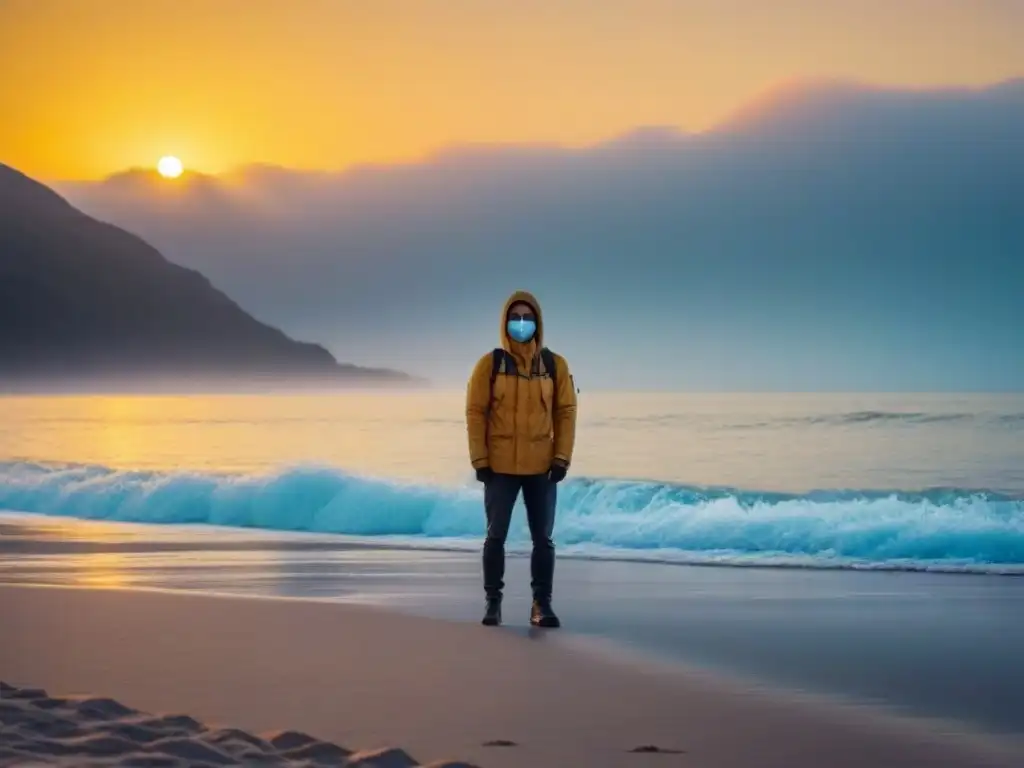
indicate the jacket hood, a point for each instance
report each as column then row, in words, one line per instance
column 507, row 342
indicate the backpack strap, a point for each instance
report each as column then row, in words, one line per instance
column 548, row 358
column 503, row 363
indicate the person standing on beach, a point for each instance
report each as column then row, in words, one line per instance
column 521, row 422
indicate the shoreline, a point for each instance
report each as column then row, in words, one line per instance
column 327, row 540
column 617, row 654
column 930, row 646
column 363, row 675
column 609, row 652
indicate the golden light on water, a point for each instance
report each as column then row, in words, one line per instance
column 107, row 569
column 248, row 434
column 103, row 569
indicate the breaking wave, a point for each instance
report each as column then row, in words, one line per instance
column 941, row 529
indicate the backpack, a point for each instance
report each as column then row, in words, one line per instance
column 503, row 362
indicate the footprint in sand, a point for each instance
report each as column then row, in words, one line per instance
column 652, row 749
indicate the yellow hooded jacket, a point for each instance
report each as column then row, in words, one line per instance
column 522, row 427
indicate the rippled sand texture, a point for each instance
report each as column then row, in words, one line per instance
column 39, row 729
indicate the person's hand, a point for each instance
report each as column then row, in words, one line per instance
column 484, row 475
column 558, row 471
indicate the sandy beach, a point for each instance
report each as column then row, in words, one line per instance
column 80, row 730
column 367, row 680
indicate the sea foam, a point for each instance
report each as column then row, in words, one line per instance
column 945, row 530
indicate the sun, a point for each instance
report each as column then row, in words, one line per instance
column 169, row 167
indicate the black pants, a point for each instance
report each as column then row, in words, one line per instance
column 539, row 496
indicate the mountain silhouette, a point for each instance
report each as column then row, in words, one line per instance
column 81, row 298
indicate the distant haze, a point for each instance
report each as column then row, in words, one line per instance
column 87, row 305
column 829, row 237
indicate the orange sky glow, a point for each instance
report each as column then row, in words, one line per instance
column 90, row 88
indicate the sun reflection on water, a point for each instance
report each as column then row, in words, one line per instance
column 103, row 569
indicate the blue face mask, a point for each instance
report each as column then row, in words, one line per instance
column 521, row 330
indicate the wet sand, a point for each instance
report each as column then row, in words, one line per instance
column 364, row 677
column 922, row 644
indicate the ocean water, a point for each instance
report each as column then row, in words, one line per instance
column 850, row 481
column 868, row 543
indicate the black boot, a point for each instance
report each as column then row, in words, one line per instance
column 541, row 614
column 492, row 614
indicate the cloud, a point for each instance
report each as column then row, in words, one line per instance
column 828, row 236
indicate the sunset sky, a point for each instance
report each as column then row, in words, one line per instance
column 90, row 88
